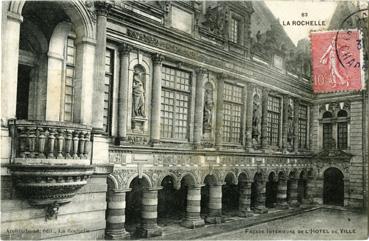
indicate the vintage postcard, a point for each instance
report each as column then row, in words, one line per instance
column 178, row 120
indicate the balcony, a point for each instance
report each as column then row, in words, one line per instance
column 50, row 161
column 39, row 141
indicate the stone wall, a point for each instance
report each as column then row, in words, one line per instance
column 83, row 218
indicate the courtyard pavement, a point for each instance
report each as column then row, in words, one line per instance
column 323, row 223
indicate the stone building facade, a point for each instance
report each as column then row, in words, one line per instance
column 131, row 111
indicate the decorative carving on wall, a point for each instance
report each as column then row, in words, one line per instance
column 138, row 94
column 215, row 20
column 291, row 125
column 335, row 107
column 138, row 99
column 256, row 119
column 49, row 186
column 208, row 108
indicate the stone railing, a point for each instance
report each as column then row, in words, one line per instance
column 50, row 139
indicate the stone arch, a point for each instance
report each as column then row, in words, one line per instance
column 190, row 178
column 282, row 174
column 58, row 38
column 324, row 168
column 245, row 173
column 232, row 175
column 82, row 19
column 113, row 183
column 144, row 176
column 292, row 173
column 177, row 183
column 214, row 178
column 34, row 33
column 270, row 171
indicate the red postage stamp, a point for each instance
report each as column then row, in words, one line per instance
column 336, row 61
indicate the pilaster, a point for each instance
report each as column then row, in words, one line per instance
column 249, row 110
column 199, row 106
column 102, row 11
column 264, row 119
column 156, row 99
column 219, row 113
column 123, row 92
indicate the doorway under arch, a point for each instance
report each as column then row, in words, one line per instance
column 333, row 187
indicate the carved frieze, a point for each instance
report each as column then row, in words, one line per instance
column 335, row 107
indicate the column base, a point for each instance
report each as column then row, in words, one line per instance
column 148, row 232
column 260, row 210
column 154, row 143
column 196, row 223
column 214, row 220
column 282, row 205
column 117, row 235
column 245, row 214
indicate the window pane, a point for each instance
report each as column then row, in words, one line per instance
column 69, row 80
column 175, row 102
column 109, row 60
column 273, row 120
column 234, row 35
column 232, row 113
column 342, row 135
column 327, row 135
column 302, row 137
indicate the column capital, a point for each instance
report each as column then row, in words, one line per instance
column 221, row 76
column 201, row 71
column 157, row 58
column 125, row 48
column 102, row 8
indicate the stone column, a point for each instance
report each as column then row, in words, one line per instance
column 282, row 193
column 123, row 92
column 102, row 10
column 264, row 140
column 199, row 106
column 219, row 113
column 156, row 96
column 309, row 191
column 149, row 214
column 249, row 110
column 296, row 121
column 9, row 74
column 292, row 192
column 193, row 219
column 115, row 216
column 285, row 123
column 215, row 204
column 245, row 199
column 260, row 196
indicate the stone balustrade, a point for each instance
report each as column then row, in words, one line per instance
column 50, row 140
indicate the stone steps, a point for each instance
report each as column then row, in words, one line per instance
column 230, row 225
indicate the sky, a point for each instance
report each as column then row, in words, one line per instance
column 297, row 10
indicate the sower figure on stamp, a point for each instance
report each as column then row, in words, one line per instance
column 330, row 56
column 138, row 96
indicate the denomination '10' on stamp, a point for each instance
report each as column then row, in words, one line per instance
column 337, row 61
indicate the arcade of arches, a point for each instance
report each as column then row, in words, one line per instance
column 139, row 130
column 153, row 201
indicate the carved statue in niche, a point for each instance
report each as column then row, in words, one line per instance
column 290, row 127
column 215, row 20
column 208, row 107
column 256, row 120
column 138, row 93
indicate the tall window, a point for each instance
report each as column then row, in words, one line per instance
column 273, row 120
column 175, row 103
column 109, row 70
column 327, row 130
column 235, row 30
column 70, row 56
column 303, row 126
column 342, row 130
column 232, row 113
